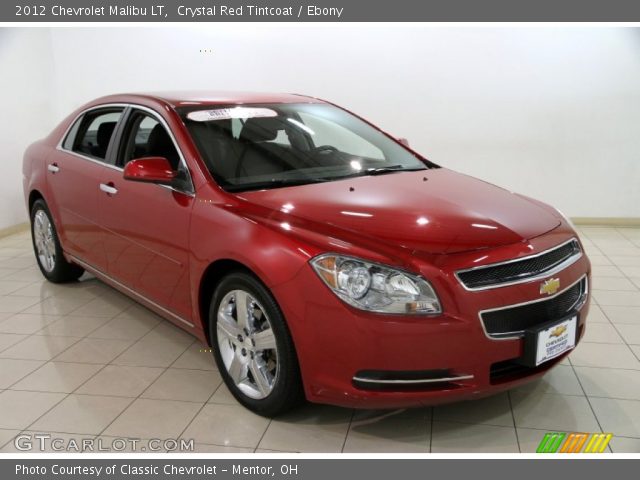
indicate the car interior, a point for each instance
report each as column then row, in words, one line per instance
column 95, row 132
column 261, row 146
column 148, row 138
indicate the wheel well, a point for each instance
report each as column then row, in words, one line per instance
column 33, row 196
column 212, row 276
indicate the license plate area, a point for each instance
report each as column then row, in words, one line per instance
column 549, row 340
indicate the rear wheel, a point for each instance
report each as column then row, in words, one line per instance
column 253, row 347
column 47, row 247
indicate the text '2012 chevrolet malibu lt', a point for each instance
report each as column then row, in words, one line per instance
column 320, row 257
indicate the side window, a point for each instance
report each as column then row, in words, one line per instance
column 93, row 133
column 147, row 137
column 71, row 136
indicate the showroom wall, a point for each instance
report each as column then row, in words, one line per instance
column 548, row 112
column 25, row 97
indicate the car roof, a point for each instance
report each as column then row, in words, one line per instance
column 195, row 98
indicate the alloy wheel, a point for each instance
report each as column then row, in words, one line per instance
column 44, row 240
column 247, row 344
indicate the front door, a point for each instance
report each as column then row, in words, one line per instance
column 146, row 226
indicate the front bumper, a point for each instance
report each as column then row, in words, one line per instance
column 357, row 359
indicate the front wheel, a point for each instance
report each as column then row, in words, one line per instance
column 46, row 246
column 253, row 347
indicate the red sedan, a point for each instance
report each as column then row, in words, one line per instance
column 320, row 257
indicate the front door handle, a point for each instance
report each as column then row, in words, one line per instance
column 53, row 168
column 108, row 188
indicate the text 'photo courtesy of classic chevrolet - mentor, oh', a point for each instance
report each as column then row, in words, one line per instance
column 318, row 256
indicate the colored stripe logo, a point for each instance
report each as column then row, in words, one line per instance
column 562, row 442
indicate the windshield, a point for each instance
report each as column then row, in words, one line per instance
column 252, row 147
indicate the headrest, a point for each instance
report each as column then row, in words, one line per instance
column 261, row 129
column 105, row 130
column 159, row 140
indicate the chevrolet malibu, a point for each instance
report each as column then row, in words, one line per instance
column 317, row 255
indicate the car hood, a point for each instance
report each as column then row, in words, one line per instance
column 432, row 211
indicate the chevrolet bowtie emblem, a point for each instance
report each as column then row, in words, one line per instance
column 550, row 286
column 556, row 332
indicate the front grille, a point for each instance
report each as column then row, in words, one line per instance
column 512, row 321
column 519, row 270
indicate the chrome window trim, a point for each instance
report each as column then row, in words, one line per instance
column 561, row 266
column 145, row 109
column 520, row 333
column 132, row 293
column 418, row 381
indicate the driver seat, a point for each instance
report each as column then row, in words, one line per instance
column 257, row 159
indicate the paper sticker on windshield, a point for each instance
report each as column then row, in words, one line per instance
column 228, row 113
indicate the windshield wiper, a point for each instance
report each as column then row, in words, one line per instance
column 273, row 183
column 378, row 171
column 391, row 169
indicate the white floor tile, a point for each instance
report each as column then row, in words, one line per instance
column 146, row 418
column 625, row 445
column 396, row 431
column 85, row 414
column 601, row 333
column 12, row 370
column 183, row 384
column 610, row 383
column 604, row 355
column 227, row 425
column 94, row 350
column 458, row 437
column 620, row 417
column 25, row 407
column 57, row 377
column 617, row 315
column 495, row 410
column 553, row 412
column 312, row 428
column 121, row 381
column 39, row 347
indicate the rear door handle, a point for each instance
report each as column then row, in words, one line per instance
column 108, row 188
column 53, row 168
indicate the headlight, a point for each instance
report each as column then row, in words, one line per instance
column 376, row 288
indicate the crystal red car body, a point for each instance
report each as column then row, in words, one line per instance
column 167, row 249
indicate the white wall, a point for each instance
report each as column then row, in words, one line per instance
column 26, row 109
column 549, row 112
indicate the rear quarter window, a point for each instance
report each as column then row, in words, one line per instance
column 73, row 132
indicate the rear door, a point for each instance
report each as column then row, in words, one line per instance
column 74, row 171
column 146, row 226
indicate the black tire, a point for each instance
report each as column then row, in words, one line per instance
column 61, row 271
column 287, row 392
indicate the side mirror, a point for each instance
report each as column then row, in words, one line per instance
column 404, row 141
column 150, row 170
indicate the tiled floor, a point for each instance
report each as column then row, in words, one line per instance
column 82, row 361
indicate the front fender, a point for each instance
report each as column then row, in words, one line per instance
column 218, row 233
